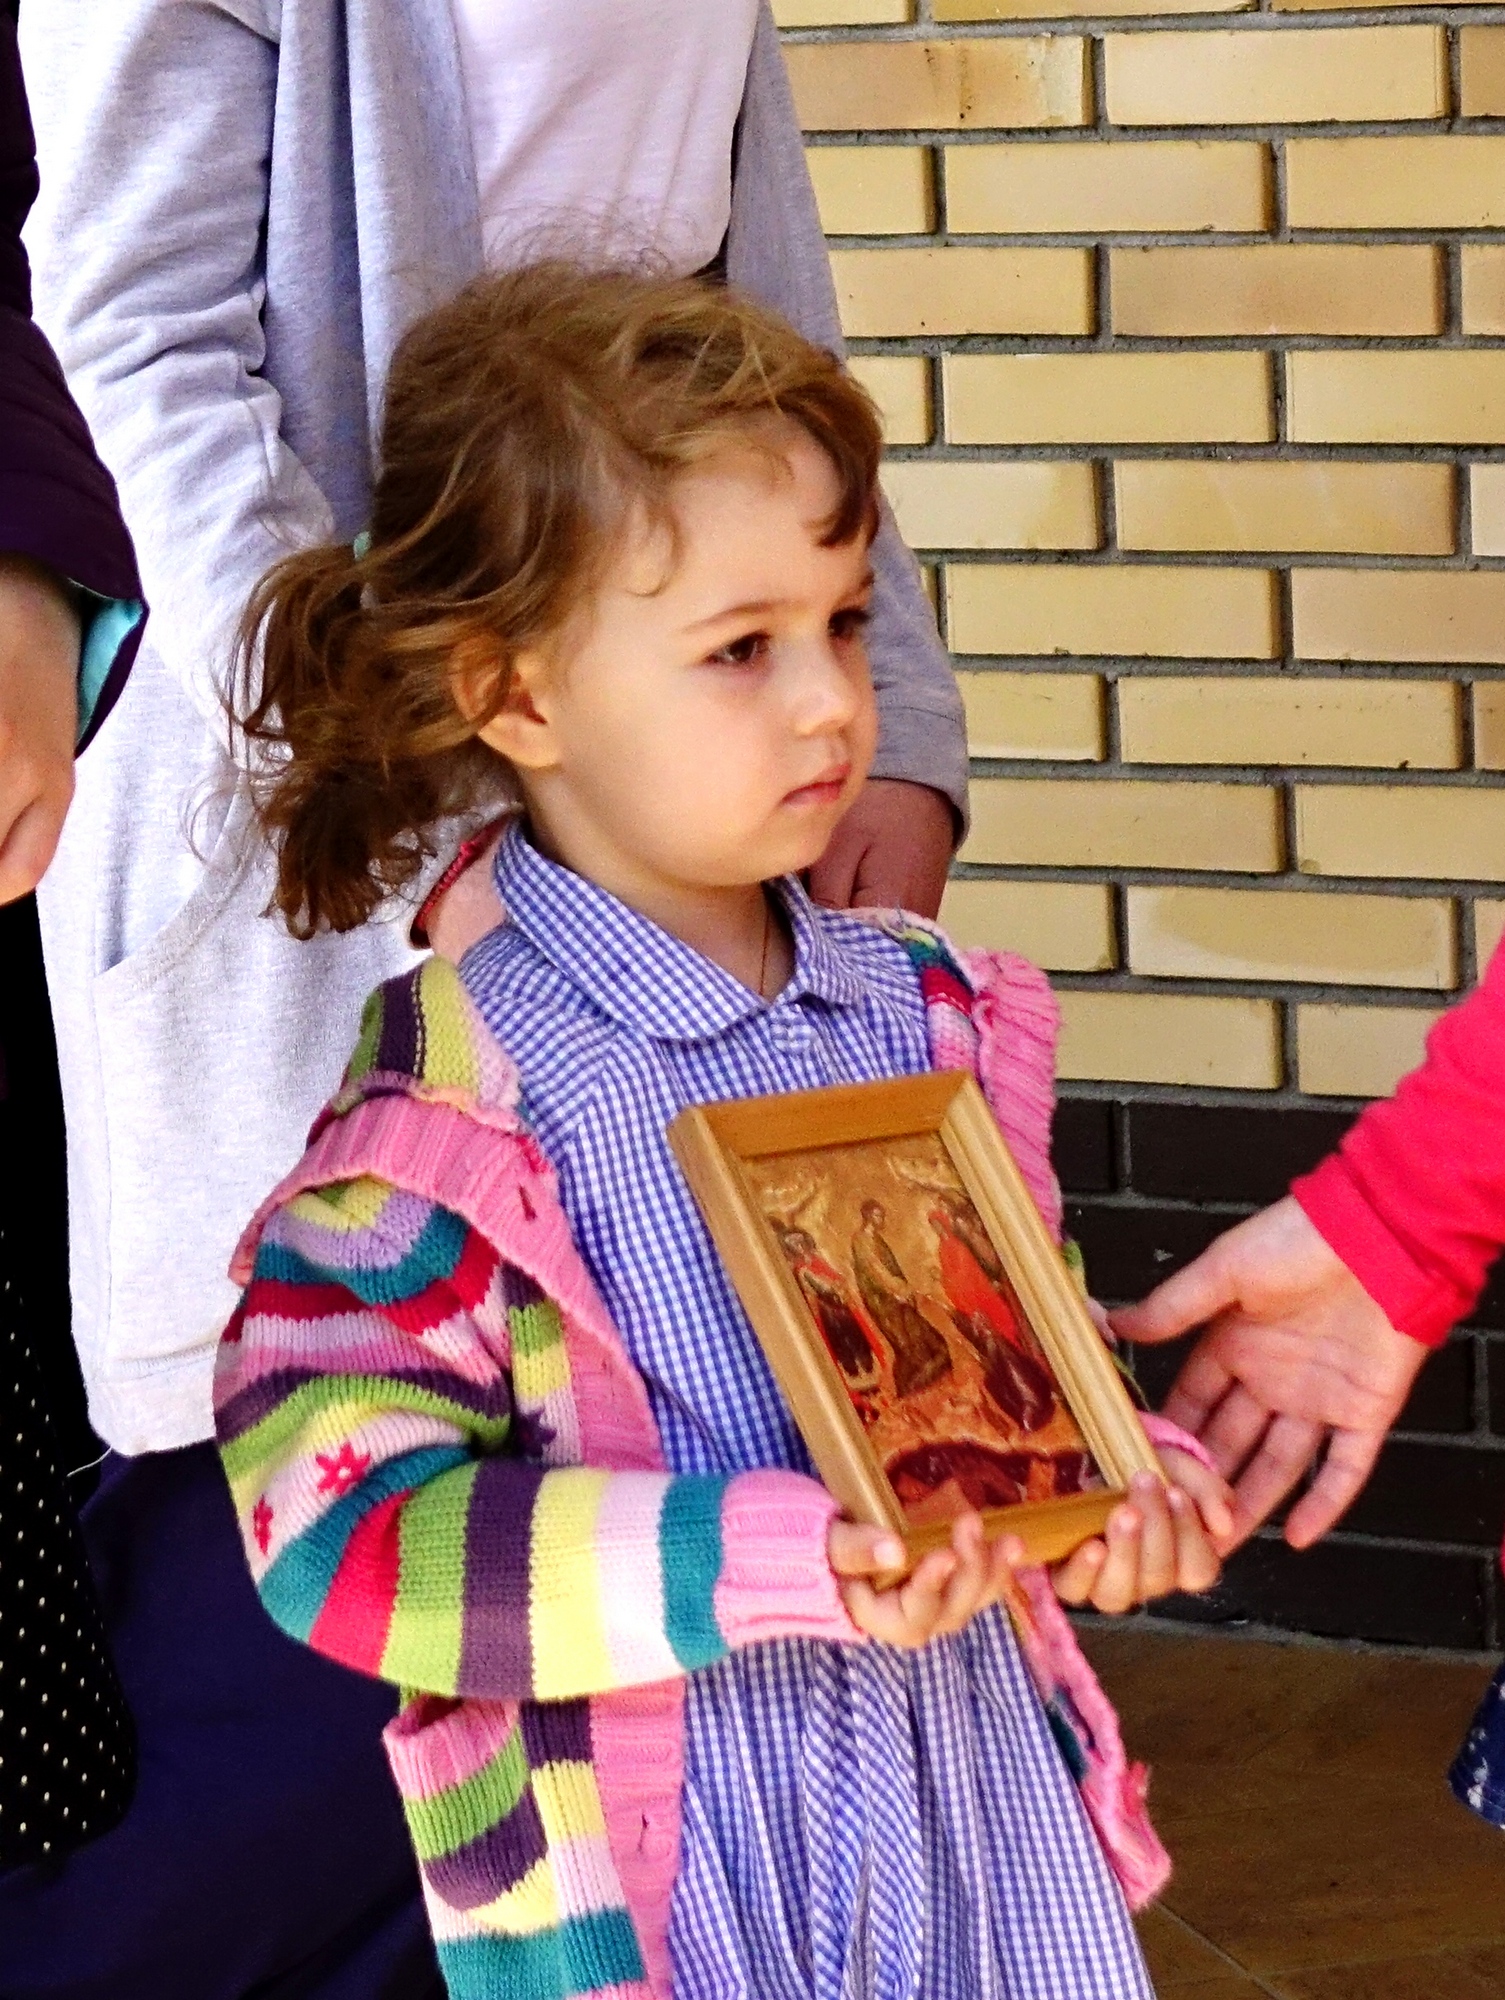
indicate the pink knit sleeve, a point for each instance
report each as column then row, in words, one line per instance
column 1166, row 1436
column 776, row 1581
column 1017, row 1023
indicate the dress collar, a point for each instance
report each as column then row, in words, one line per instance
column 639, row 974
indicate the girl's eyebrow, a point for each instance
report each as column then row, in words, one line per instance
column 759, row 607
column 754, row 609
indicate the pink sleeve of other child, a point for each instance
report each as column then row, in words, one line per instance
column 1413, row 1200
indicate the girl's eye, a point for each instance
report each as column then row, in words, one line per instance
column 851, row 624
column 743, row 652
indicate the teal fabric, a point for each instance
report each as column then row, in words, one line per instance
column 114, row 620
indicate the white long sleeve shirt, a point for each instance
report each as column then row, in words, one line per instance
column 604, row 130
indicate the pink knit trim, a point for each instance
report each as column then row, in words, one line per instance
column 776, row 1581
column 637, row 1747
column 1017, row 1023
column 501, row 1187
column 1113, row 1790
column 1166, row 1436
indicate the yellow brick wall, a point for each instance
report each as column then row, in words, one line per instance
column 1189, row 330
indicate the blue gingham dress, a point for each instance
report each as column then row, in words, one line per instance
column 858, row 1821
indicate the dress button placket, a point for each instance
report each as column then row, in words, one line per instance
column 797, row 1037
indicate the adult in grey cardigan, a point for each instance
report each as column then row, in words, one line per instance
column 246, row 203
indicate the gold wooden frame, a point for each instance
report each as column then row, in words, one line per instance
column 711, row 1142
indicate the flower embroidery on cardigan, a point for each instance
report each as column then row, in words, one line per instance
column 343, row 1469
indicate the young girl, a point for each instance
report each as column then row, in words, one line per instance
column 494, row 1422
column 224, row 271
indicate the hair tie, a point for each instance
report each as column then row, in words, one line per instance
column 360, row 548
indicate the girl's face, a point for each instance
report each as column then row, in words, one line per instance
column 715, row 718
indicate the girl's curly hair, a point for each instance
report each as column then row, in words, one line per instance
column 526, row 423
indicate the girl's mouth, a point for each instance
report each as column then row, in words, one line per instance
column 825, row 791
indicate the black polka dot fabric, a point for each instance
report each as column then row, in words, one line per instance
column 67, row 1747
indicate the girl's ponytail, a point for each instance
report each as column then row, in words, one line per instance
column 354, row 775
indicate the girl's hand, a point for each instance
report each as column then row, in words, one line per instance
column 39, row 645
column 945, row 1590
column 1163, row 1538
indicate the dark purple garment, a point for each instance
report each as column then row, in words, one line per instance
column 265, row 1856
column 57, row 502
column 67, row 1742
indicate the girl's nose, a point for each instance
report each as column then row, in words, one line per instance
column 831, row 686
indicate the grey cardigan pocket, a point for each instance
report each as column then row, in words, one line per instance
column 240, row 1033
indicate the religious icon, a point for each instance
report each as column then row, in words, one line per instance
column 931, row 1343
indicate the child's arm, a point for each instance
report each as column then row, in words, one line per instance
column 364, row 1406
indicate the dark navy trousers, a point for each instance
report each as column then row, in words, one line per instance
column 264, row 1856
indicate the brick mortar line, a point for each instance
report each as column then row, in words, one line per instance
column 1118, row 919
column 1153, row 667
column 1278, row 191
column 1274, row 343
column 1202, row 1096
column 1323, row 673
column 1289, row 1046
column 1097, row 84
column 1277, row 881
column 1282, row 881
column 876, row 345
column 1035, row 27
column 1077, row 452
column 1466, row 235
column 1413, row 1544
column 1453, row 57
column 1238, row 1632
column 1128, row 1092
column 1105, row 497
column 1107, row 132
column 1128, row 1198
column 1090, row 771
column 1265, row 561
column 1225, row 880
column 1132, row 1198
column 1288, row 988
column 1483, row 1414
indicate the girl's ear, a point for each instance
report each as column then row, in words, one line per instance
column 518, row 731
column 521, row 730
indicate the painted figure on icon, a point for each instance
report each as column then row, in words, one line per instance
column 989, row 1318
column 921, row 1356
column 837, row 1314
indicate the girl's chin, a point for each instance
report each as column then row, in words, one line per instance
column 790, row 840
column 801, row 850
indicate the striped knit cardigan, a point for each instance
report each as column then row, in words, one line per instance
column 446, row 1473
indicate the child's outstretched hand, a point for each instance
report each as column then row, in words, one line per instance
column 1163, row 1538
column 941, row 1594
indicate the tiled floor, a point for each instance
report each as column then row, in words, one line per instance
column 1319, row 1856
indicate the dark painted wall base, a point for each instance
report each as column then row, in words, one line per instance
column 1415, row 1561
